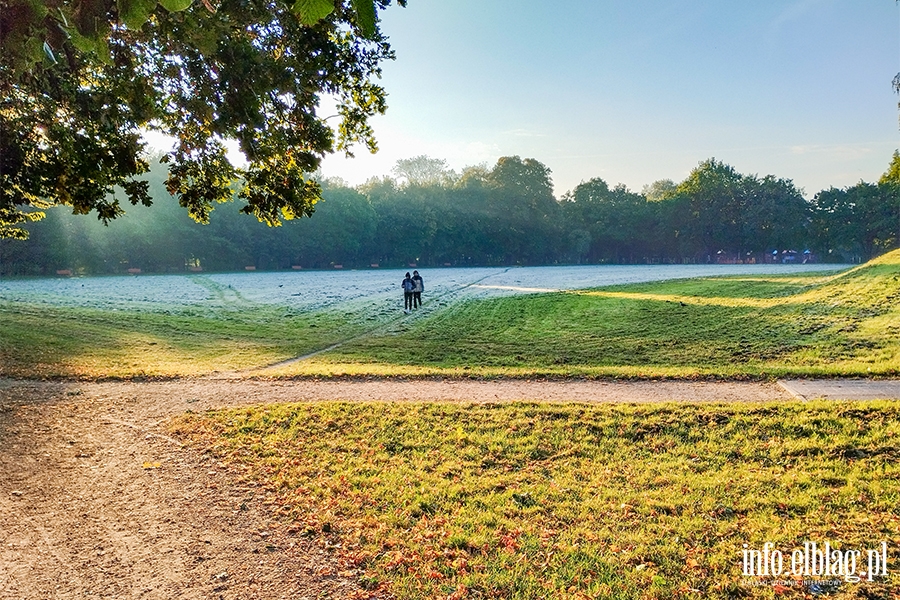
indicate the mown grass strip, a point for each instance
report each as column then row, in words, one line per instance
column 527, row 501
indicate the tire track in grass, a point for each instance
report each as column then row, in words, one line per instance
column 227, row 295
column 430, row 307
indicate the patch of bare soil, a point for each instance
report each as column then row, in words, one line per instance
column 97, row 501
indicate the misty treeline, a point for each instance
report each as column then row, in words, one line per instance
column 427, row 214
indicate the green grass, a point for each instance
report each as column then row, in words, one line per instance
column 49, row 341
column 731, row 327
column 766, row 326
column 525, row 501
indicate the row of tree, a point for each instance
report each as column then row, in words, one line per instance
column 429, row 215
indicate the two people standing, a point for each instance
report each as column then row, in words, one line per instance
column 412, row 291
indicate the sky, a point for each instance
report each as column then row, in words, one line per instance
column 634, row 91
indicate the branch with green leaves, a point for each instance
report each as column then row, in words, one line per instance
column 81, row 80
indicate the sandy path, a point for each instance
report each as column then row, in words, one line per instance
column 85, row 511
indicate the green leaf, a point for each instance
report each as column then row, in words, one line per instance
column 134, row 13
column 81, row 42
column 311, row 12
column 365, row 16
column 175, row 5
column 32, row 50
column 93, row 44
column 205, row 40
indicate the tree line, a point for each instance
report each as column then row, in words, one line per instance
column 426, row 214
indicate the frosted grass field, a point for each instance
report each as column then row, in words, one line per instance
column 356, row 290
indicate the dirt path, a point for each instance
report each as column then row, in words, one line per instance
column 96, row 501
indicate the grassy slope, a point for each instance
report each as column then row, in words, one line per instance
column 729, row 327
column 39, row 340
column 523, row 501
column 847, row 324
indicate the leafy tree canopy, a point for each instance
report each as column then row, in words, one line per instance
column 423, row 170
column 892, row 175
column 525, row 181
column 712, row 180
column 80, row 80
column 660, row 189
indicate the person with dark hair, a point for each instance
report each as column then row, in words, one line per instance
column 408, row 287
column 418, row 288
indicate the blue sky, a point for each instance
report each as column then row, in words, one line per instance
column 635, row 91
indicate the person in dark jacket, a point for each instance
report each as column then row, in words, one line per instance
column 408, row 287
column 418, row 288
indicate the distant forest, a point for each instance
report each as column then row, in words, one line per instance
column 429, row 215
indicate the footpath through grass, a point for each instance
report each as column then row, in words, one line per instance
column 534, row 501
column 763, row 326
